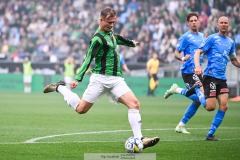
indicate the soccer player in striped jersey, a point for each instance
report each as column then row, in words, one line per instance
column 106, row 76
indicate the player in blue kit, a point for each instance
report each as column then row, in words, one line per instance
column 188, row 43
column 218, row 48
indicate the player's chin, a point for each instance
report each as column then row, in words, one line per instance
column 108, row 29
column 224, row 31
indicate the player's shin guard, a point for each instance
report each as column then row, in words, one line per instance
column 192, row 109
column 71, row 98
column 73, row 101
column 217, row 120
column 135, row 121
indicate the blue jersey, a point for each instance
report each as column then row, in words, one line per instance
column 188, row 43
column 218, row 49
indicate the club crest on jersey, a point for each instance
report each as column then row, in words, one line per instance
column 195, row 77
column 213, row 86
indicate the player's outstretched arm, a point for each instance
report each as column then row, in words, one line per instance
column 198, row 69
column 74, row 84
column 135, row 43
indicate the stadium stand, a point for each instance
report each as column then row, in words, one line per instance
column 51, row 30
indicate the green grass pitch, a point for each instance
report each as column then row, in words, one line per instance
column 38, row 126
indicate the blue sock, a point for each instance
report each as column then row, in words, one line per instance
column 200, row 96
column 184, row 91
column 193, row 97
column 217, row 120
column 191, row 110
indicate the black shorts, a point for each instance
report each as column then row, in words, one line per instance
column 190, row 79
column 214, row 87
column 155, row 77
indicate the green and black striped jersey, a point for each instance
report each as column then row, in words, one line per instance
column 103, row 48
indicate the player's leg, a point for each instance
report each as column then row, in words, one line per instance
column 94, row 90
column 125, row 96
column 200, row 95
column 189, row 113
column 194, row 89
column 209, row 86
column 189, row 80
column 134, row 118
column 155, row 77
column 90, row 95
column 222, row 96
column 149, row 85
column 70, row 97
column 218, row 118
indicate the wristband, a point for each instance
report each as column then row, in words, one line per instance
column 183, row 58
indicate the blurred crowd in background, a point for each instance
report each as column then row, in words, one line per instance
column 52, row 30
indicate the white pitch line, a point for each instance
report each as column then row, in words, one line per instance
column 70, row 134
column 113, row 131
column 34, row 140
column 191, row 140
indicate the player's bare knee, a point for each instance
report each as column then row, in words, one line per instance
column 210, row 107
column 81, row 110
column 223, row 107
column 135, row 105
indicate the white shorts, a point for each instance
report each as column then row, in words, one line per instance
column 27, row 79
column 114, row 87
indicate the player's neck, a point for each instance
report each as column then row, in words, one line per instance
column 223, row 33
column 194, row 31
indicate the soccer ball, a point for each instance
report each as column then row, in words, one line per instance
column 134, row 145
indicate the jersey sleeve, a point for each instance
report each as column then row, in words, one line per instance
column 123, row 41
column 182, row 43
column 232, row 54
column 207, row 44
column 93, row 50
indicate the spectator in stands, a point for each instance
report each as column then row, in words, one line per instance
column 46, row 23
